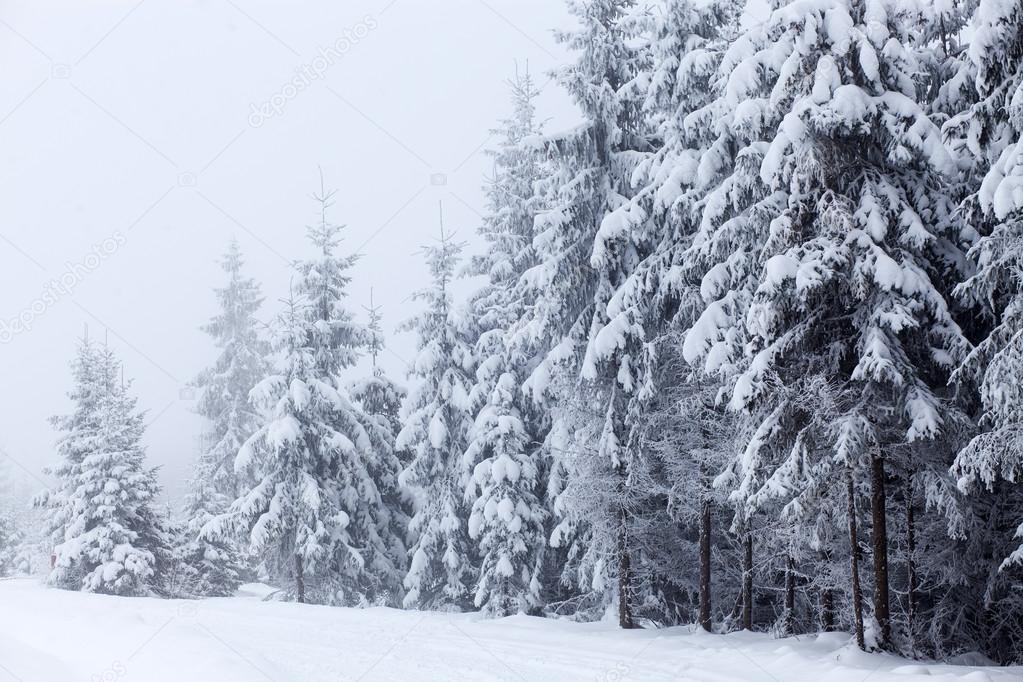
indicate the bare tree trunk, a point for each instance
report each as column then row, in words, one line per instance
column 625, row 620
column 747, row 579
column 827, row 599
column 299, row 580
column 790, row 597
column 827, row 610
column 705, row 567
column 879, row 537
column 911, row 562
column 854, row 559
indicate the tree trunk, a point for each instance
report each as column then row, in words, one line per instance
column 625, row 620
column 879, row 537
column 911, row 563
column 854, row 559
column 747, row 579
column 790, row 597
column 827, row 610
column 705, row 567
column 827, row 599
column 299, row 580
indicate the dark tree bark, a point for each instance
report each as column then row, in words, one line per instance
column 879, row 537
column 705, row 567
column 747, row 579
column 790, row 597
column 826, row 598
column 911, row 579
column 827, row 610
column 854, row 559
column 625, row 619
column 299, row 580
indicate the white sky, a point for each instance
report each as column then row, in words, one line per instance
column 134, row 118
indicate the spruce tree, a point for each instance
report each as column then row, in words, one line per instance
column 380, row 398
column 290, row 515
column 19, row 523
column 993, row 130
column 11, row 540
column 107, row 535
column 212, row 567
column 581, row 262
column 437, row 420
column 987, row 133
column 315, row 510
column 217, row 565
column 507, row 517
column 225, row 386
column 828, row 238
column 651, row 292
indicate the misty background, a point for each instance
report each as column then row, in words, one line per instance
column 138, row 137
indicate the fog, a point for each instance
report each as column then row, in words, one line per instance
column 138, row 137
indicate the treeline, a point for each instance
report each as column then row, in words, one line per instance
column 747, row 354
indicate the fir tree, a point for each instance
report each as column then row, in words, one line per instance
column 213, row 567
column 11, row 540
column 380, row 398
column 988, row 134
column 993, row 131
column 582, row 259
column 828, row 237
column 650, row 293
column 19, row 522
column 107, row 536
column 508, row 515
column 216, row 564
column 315, row 511
column 437, row 420
column 225, row 386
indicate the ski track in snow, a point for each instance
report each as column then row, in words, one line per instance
column 49, row 635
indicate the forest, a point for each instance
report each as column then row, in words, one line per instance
column 743, row 350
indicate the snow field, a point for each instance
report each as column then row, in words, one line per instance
column 57, row 636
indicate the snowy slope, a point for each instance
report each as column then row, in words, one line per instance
column 52, row 636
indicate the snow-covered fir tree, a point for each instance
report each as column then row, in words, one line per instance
column 225, row 386
column 224, row 402
column 993, row 130
column 11, row 541
column 210, row 567
column 828, row 239
column 437, row 419
column 381, row 398
column 988, row 134
column 314, row 511
column 505, row 493
column 107, row 536
column 378, row 394
column 650, row 292
column 588, row 178
column 19, row 521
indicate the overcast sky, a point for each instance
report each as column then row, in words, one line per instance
column 137, row 137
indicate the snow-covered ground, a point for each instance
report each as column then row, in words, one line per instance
column 53, row 636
